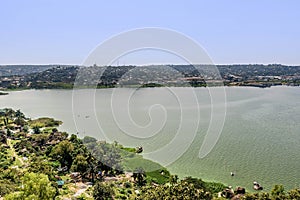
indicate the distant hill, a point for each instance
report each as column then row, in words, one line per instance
column 10, row 70
column 63, row 76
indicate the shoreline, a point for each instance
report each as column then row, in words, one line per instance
column 6, row 91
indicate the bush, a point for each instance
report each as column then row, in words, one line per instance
column 102, row 191
column 6, row 187
column 88, row 139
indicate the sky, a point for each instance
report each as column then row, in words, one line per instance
column 230, row 31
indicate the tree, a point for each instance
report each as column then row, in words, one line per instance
column 19, row 114
column 6, row 187
column 107, row 155
column 278, row 192
column 36, row 130
column 80, row 164
column 264, row 196
column 40, row 165
column 139, row 175
column 88, row 139
column 182, row 190
column 63, row 153
column 251, row 196
column 6, row 114
column 102, row 191
column 197, row 182
column 34, row 187
column 20, row 118
column 294, row 194
column 173, row 179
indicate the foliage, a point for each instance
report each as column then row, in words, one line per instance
column 178, row 191
column 139, row 176
column 197, row 182
column 173, row 179
column 88, row 139
column 5, row 160
column 40, row 165
column 108, row 156
column 80, row 164
column 44, row 122
column 25, row 147
column 294, row 194
column 160, row 176
column 6, row 187
column 63, row 153
column 10, row 174
column 35, row 187
column 102, row 191
column 154, row 171
column 214, row 187
column 49, row 152
column 278, row 192
column 36, row 130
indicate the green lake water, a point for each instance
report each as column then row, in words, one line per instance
column 260, row 140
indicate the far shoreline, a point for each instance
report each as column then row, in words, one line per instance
column 6, row 91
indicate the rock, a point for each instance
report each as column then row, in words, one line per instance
column 139, row 149
column 240, row 190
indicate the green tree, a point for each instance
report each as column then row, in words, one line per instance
column 139, row 175
column 251, row 196
column 294, row 194
column 197, row 182
column 6, row 187
column 264, row 196
column 277, row 192
column 102, row 191
column 182, row 190
column 63, row 153
column 173, row 179
column 20, row 118
column 19, row 114
column 40, row 165
column 34, row 187
column 80, row 164
column 88, row 139
column 107, row 155
column 36, row 130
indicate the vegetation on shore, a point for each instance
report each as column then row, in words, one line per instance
column 37, row 161
column 64, row 77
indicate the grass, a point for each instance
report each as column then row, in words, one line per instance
column 44, row 122
column 154, row 171
column 161, row 176
column 129, row 149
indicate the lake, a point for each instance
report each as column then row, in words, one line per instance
column 260, row 139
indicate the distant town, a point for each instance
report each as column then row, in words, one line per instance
column 67, row 76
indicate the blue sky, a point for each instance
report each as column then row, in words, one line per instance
column 231, row 31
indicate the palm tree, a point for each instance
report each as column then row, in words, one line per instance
column 20, row 118
column 19, row 114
